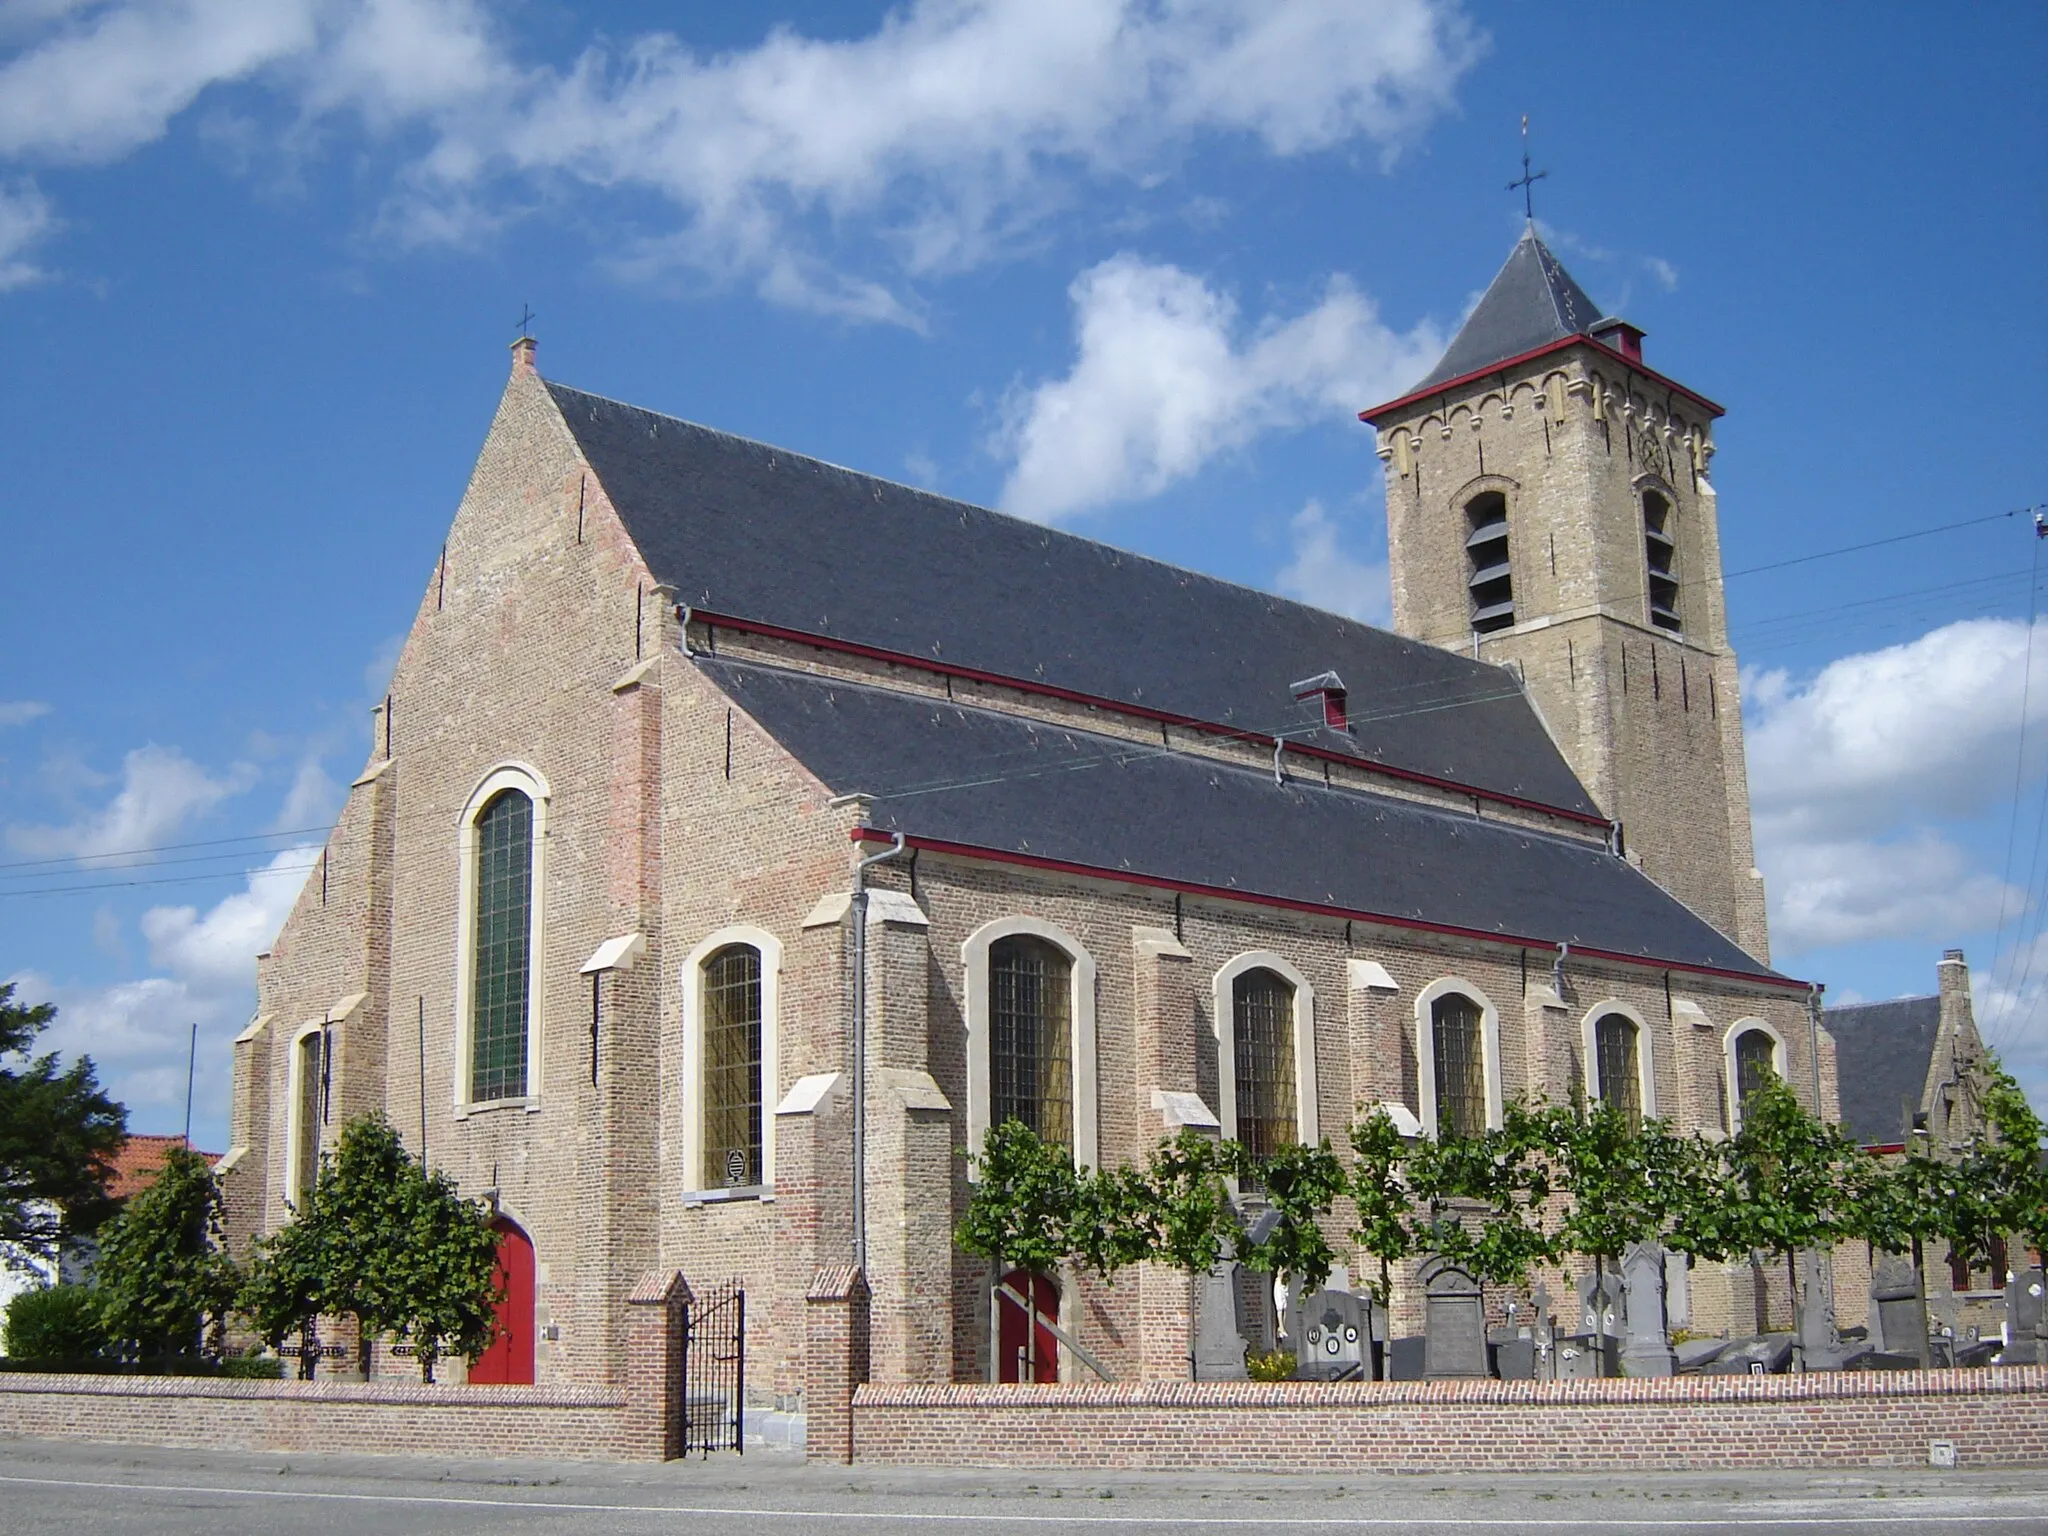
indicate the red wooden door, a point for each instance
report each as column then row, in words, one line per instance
column 1025, row 1348
column 509, row 1360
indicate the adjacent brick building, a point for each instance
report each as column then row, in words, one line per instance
column 1136, row 848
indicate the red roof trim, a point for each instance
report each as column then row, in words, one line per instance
column 1288, row 903
column 1115, row 706
column 1506, row 363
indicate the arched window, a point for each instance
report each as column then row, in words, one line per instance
column 1488, row 578
column 1030, row 1047
column 1660, row 556
column 1618, row 1047
column 1458, row 1060
column 732, row 1095
column 1262, row 1054
column 501, row 950
column 306, row 1068
column 1756, row 1058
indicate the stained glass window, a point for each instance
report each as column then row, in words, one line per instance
column 1620, row 1071
column 1460, row 1063
column 1263, row 1039
column 1030, row 1056
column 1756, row 1058
column 732, row 1068
column 503, row 943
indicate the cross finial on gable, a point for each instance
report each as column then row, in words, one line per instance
column 523, row 348
column 1528, row 179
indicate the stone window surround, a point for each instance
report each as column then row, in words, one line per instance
column 527, row 779
column 769, row 948
column 294, row 1065
column 1222, row 1017
column 1780, row 1063
column 1425, row 1049
column 1646, row 1056
column 974, row 955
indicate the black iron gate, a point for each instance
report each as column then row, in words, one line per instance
column 715, row 1371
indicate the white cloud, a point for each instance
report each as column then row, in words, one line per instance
column 1324, row 574
column 940, row 134
column 26, row 219
column 21, row 711
column 313, row 800
column 218, row 950
column 1167, row 378
column 1917, row 886
column 161, row 790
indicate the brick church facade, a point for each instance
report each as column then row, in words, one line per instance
column 1136, row 848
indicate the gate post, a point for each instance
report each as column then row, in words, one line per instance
column 657, row 1328
column 835, row 1360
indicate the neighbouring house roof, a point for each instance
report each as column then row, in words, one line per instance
column 1882, row 1055
column 1532, row 303
column 981, row 779
column 755, row 532
column 138, row 1161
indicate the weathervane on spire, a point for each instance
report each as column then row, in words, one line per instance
column 1528, row 178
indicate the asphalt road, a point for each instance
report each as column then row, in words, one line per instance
column 51, row 1486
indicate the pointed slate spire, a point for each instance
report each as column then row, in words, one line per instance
column 1532, row 303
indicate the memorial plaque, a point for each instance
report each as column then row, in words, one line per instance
column 1454, row 1322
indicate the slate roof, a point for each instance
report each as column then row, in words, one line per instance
column 1530, row 304
column 758, row 532
column 957, row 774
column 1882, row 1053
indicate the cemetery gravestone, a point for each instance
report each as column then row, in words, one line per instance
column 1333, row 1340
column 1454, row 1322
column 2023, row 1318
column 1820, row 1347
column 1219, row 1344
column 1603, row 1305
column 1648, row 1351
column 1898, row 1307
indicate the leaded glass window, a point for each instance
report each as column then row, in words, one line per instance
column 1756, row 1058
column 1619, row 1063
column 1263, row 1042
column 732, row 1068
column 503, row 945
column 306, row 1117
column 1030, row 1055
column 1460, row 1062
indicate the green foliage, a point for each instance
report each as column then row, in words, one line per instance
column 1497, row 1183
column 58, row 1323
column 1792, row 1174
column 252, row 1368
column 1279, row 1365
column 1301, row 1183
column 1186, row 1209
column 1602, row 1161
column 58, row 1136
column 2006, row 1167
column 1382, row 1198
column 384, row 1241
column 163, row 1282
column 1023, row 1203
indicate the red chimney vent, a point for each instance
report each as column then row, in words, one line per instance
column 1619, row 334
column 1331, row 687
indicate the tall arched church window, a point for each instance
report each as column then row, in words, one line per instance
column 1660, row 557
column 307, row 1071
column 1756, row 1058
column 1488, row 578
column 501, row 949
column 1618, row 1043
column 1031, row 1037
column 732, row 1069
column 1459, row 1062
column 1262, row 1043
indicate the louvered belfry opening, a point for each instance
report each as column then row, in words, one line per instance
column 1620, row 1064
column 1660, row 555
column 1263, row 1056
column 1030, row 1048
column 1486, row 558
column 1460, row 1064
column 732, row 1068
column 504, row 936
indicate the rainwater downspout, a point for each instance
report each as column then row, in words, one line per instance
column 860, row 1047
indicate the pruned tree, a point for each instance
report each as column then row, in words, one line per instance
column 1792, row 1177
column 164, row 1280
column 1483, row 1196
column 1382, row 1197
column 1301, row 1183
column 58, row 1136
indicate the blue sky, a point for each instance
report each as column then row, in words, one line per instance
column 1131, row 267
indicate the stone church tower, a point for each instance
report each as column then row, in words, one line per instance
column 1549, row 510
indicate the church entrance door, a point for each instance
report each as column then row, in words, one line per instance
column 1025, row 1347
column 509, row 1360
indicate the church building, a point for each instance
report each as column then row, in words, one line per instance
column 743, row 836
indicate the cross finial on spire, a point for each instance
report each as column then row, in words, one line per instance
column 1528, row 178
column 527, row 316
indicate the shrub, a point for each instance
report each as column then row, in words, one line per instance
column 1277, row 1366
column 60, row 1324
column 252, row 1368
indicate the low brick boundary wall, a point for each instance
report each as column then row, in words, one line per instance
column 1995, row 1417
column 402, row 1418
